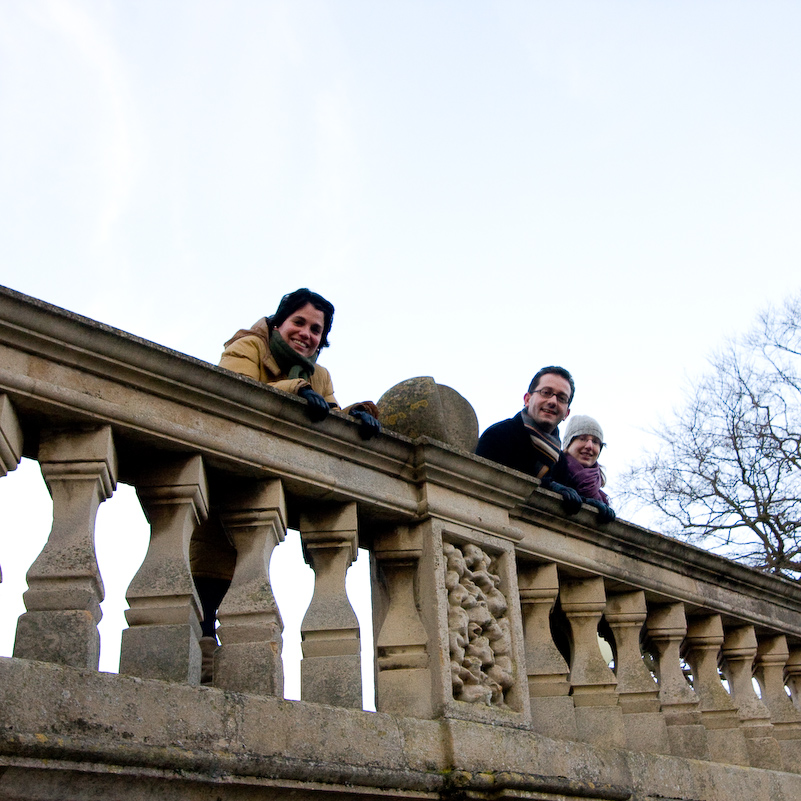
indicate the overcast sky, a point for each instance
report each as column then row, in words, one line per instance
column 480, row 188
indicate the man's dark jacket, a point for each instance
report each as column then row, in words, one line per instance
column 509, row 444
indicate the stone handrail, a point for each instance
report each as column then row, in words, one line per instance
column 487, row 600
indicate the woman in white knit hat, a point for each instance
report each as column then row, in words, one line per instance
column 578, row 466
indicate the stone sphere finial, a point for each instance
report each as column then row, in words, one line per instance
column 419, row 407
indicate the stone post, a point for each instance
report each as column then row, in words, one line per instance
column 552, row 712
column 164, row 616
column 638, row 693
column 10, row 437
column 404, row 684
column 593, row 684
column 667, row 627
column 725, row 739
column 330, row 670
column 772, row 656
column 249, row 659
column 738, row 654
column 64, row 584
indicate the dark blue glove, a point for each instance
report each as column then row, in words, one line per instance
column 606, row 514
column 316, row 405
column 369, row 425
column 571, row 500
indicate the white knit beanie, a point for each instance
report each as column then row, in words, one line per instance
column 579, row 424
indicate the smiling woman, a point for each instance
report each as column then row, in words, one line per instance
column 578, row 464
column 282, row 350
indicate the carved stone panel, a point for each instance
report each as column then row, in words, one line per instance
column 479, row 628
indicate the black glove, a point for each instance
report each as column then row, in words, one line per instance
column 606, row 514
column 316, row 405
column 369, row 425
column 571, row 500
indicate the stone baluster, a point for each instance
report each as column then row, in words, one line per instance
column 164, row 616
column 552, row 712
column 792, row 676
column 667, row 626
column 772, row 656
column 249, row 658
column 10, row 440
column 724, row 736
column 593, row 684
column 737, row 663
column 330, row 670
column 637, row 690
column 64, row 584
column 404, row 684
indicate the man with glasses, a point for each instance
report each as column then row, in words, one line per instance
column 529, row 441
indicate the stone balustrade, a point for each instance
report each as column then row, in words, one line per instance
column 491, row 677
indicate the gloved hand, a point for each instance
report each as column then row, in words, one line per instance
column 369, row 425
column 364, row 406
column 571, row 500
column 606, row 514
column 316, row 405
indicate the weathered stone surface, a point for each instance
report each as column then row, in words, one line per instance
column 402, row 664
column 10, row 437
column 164, row 614
column 738, row 655
column 552, row 710
column 772, row 657
column 667, row 628
column 331, row 667
column 94, row 735
column 725, row 737
column 71, row 733
column 64, row 584
column 250, row 623
column 479, row 629
column 419, row 407
column 637, row 689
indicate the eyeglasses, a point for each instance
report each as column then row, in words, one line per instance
column 547, row 393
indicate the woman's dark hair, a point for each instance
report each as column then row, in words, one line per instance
column 297, row 300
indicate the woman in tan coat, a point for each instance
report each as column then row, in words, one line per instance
column 282, row 351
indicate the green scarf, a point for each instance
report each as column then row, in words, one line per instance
column 289, row 360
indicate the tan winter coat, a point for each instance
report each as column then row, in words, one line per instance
column 250, row 355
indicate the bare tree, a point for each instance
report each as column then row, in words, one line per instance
column 726, row 472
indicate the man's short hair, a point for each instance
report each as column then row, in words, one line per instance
column 560, row 371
